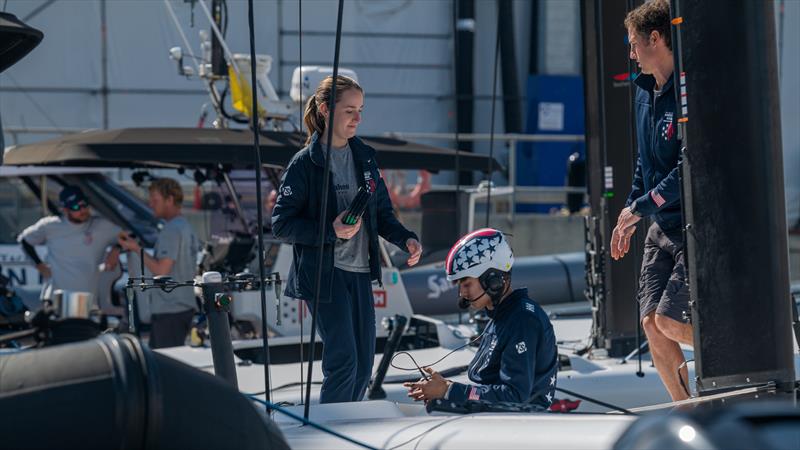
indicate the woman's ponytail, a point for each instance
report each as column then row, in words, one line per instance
column 314, row 121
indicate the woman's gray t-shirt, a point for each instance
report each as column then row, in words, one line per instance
column 351, row 254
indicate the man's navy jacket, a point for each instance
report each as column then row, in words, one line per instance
column 656, row 185
column 295, row 218
column 517, row 360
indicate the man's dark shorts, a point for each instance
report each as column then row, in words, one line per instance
column 662, row 284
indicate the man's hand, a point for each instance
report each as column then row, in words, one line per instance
column 44, row 269
column 344, row 231
column 621, row 236
column 425, row 390
column 112, row 258
column 127, row 243
column 415, row 249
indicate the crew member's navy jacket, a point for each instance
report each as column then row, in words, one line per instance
column 656, row 186
column 295, row 218
column 517, row 360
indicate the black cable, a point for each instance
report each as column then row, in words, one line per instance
column 283, row 386
column 491, row 130
column 301, row 306
column 418, row 367
column 30, row 250
column 238, row 118
column 324, row 209
column 680, row 378
column 594, row 400
column 259, row 201
column 224, row 29
column 305, row 421
column 632, row 141
column 424, row 375
column 300, row 58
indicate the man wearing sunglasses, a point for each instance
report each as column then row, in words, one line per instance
column 77, row 243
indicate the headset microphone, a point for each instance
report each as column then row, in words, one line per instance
column 464, row 303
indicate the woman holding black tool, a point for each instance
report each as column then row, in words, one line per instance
column 351, row 257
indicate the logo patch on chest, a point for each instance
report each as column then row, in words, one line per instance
column 668, row 126
column 521, row 348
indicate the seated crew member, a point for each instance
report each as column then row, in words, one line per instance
column 517, row 360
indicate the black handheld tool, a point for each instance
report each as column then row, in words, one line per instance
column 357, row 207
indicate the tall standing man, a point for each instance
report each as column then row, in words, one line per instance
column 663, row 293
column 175, row 255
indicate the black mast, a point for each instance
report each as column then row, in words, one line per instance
column 610, row 155
column 465, row 37
column 734, row 202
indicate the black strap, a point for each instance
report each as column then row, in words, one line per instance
column 30, row 251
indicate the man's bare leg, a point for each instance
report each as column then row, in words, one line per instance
column 674, row 330
column 667, row 357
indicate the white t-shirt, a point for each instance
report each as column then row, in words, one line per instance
column 74, row 251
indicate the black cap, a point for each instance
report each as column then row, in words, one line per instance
column 71, row 197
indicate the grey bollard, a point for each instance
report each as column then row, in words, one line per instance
column 217, row 304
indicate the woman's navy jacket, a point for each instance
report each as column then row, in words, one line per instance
column 295, row 218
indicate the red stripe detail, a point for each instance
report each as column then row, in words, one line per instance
column 657, row 198
column 462, row 241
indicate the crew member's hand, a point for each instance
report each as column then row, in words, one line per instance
column 621, row 236
column 112, row 258
column 127, row 243
column 425, row 390
column 44, row 269
column 344, row 231
column 415, row 249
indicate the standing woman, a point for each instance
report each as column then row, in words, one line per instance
column 351, row 258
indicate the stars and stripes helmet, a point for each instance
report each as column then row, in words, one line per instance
column 478, row 252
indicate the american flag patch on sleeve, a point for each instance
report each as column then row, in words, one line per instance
column 657, row 198
column 474, row 394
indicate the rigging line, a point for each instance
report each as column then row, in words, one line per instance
column 632, row 167
column 35, row 104
column 36, row 11
column 180, row 31
column 491, row 130
column 208, row 86
column 781, row 13
column 419, row 437
column 305, row 421
column 301, row 304
column 259, row 201
column 300, row 58
column 594, row 400
column 456, row 115
column 324, row 209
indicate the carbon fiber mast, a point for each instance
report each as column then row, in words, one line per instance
column 736, row 247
